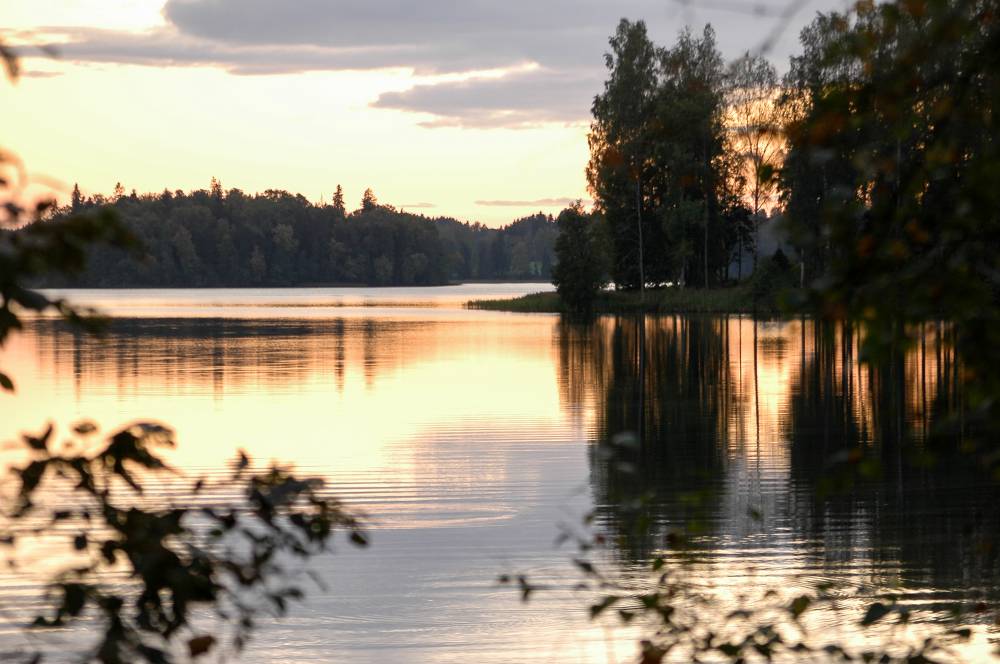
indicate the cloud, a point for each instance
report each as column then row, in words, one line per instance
column 169, row 48
column 564, row 40
column 520, row 99
column 540, row 202
column 416, row 206
column 445, row 35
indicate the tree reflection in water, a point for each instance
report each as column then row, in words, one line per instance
column 744, row 456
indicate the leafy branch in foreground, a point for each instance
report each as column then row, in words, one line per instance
column 227, row 551
column 44, row 247
column 233, row 548
column 684, row 616
column 890, row 181
column 148, row 571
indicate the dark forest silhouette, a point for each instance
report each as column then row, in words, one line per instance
column 229, row 238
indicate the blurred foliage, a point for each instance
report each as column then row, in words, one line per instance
column 31, row 248
column 235, row 554
column 890, row 181
column 684, row 621
column 232, row 548
column 670, row 495
column 42, row 249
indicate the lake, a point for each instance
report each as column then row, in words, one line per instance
column 469, row 439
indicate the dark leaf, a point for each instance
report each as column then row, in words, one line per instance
column 602, row 606
column 200, row 645
column 875, row 612
column 41, row 442
column 85, row 428
column 74, row 599
column 799, row 605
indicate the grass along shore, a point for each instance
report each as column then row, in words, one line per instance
column 670, row 300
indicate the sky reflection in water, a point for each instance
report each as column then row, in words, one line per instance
column 467, row 436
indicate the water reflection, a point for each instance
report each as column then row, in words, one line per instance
column 446, row 431
column 736, row 423
column 468, row 435
column 214, row 355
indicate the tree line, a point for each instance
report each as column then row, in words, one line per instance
column 872, row 154
column 214, row 237
column 672, row 143
column 683, row 155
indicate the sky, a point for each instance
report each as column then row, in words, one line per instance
column 466, row 108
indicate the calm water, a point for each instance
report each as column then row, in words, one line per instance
column 468, row 437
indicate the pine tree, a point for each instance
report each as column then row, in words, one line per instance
column 216, row 189
column 77, row 199
column 338, row 200
column 368, row 200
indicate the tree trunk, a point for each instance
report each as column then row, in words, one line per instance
column 638, row 216
column 756, row 241
column 739, row 268
column 706, row 184
column 705, row 214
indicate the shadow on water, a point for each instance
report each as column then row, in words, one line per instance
column 659, row 417
column 725, row 432
column 224, row 352
column 920, row 503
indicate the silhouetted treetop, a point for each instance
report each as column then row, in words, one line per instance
column 276, row 238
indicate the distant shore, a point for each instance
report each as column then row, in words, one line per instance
column 729, row 300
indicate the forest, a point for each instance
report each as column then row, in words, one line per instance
column 218, row 238
column 871, row 156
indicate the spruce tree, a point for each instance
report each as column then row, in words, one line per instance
column 338, row 200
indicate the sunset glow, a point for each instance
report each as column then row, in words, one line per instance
column 534, row 331
column 156, row 95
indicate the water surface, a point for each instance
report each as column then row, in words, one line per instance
column 468, row 436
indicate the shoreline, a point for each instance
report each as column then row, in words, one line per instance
column 671, row 300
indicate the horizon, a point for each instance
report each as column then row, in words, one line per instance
column 480, row 116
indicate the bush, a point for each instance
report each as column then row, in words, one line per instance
column 581, row 271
